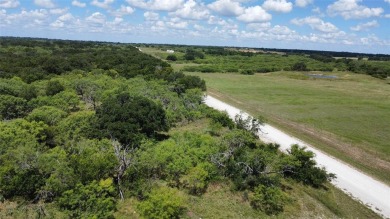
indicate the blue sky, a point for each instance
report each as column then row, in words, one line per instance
column 338, row 25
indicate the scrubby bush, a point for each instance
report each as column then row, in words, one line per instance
column 270, row 200
column 171, row 58
column 299, row 66
column 95, row 200
column 247, row 72
column 196, row 180
column 302, row 167
column 163, row 202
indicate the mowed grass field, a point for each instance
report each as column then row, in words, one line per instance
column 347, row 117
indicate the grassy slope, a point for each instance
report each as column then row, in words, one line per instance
column 344, row 116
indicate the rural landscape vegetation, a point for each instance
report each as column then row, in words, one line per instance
column 194, row 109
column 116, row 130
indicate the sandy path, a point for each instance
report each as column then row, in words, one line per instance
column 369, row 191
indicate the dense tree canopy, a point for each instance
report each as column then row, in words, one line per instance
column 128, row 118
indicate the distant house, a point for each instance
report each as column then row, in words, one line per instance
column 170, row 51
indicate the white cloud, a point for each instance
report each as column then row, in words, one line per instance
column 281, row 30
column 316, row 10
column 388, row 1
column 303, row 3
column 177, row 24
column 365, row 26
column 25, row 19
column 9, row 3
column 123, row 11
column 387, row 15
column 78, row 4
column 62, row 21
column 158, row 5
column 254, row 15
column 66, row 17
column 58, row 10
column 104, row 4
column 57, row 24
column 216, row 20
column 350, row 9
column 278, row 5
column 227, row 7
column 316, row 24
column 258, row 26
column 151, row 16
column 372, row 40
column 192, row 10
column 199, row 27
column 97, row 18
column 44, row 3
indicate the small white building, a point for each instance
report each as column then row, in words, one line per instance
column 170, row 51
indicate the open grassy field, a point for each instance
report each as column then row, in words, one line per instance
column 347, row 117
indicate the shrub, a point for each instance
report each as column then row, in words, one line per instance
column 219, row 117
column 163, row 203
column 270, row 200
column 302, row 167
column 171, row 58
column 247, row 72
column 299, row 66
column 196, row 180
column 95, row 200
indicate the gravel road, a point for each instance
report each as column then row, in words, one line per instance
column 371, row 192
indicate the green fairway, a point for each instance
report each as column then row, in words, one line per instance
column 347, row 117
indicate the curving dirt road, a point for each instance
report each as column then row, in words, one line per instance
column 374, row 194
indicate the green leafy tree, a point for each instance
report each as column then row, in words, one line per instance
column 20, row 149
column 77, row 126
column 129, row 118
column 93, row 159
column 60, row 176
column 89, row 90
column 54, row 87
column 302, row 167
column 47, row 114
column 189, row 82
column 12, row 107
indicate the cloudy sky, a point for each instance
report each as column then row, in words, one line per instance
column 339, row 25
